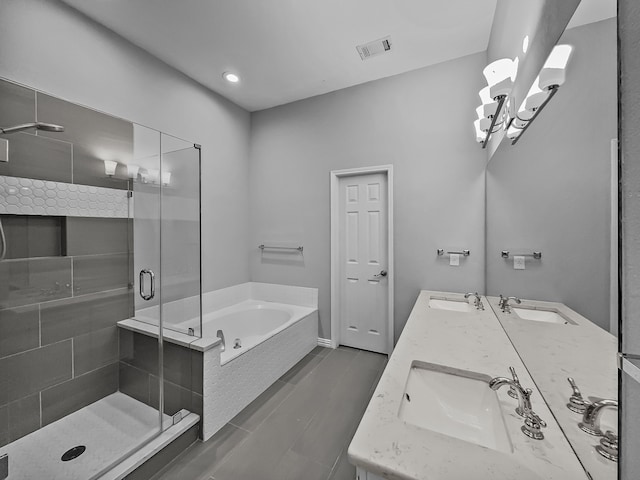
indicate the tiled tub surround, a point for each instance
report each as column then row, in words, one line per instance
column 230, row 384
column 139, row 378
column 387, row 447
column 581, row 350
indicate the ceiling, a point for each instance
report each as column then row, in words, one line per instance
column 287, row 50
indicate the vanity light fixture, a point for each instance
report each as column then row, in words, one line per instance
column 500, row 76
column 231, row 77
column 110, row 167
column 546, row 85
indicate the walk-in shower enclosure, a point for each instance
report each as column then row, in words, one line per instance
column 100, row 223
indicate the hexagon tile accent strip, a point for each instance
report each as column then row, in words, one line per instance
column 26, row 196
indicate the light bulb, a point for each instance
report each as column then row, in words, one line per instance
column 231, row 77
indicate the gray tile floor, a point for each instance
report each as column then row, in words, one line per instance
column 300, row 427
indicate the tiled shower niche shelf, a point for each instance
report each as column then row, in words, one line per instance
column 32, row 236
column 26, row 196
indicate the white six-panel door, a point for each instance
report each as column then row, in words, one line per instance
column 363, row 237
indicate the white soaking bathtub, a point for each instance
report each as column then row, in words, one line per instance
column 273, row 337
column 274, row 325
column 250, row 323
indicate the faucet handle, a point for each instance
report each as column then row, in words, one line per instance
column 526, row 394
column 608, row 447
column 577, row 403
column 512, row 390
column 533, row 425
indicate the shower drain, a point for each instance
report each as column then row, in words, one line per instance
column 73, row 453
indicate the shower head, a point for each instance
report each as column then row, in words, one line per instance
column 46, row 127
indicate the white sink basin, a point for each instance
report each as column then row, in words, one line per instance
column 453, row 402
column 548, row 316
column 451, row 305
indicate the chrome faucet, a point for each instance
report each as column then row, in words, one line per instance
column 220, row 335
column 477, row 302
column 591, row 418
column 504, row 303
column 524, row 395
column 532, row 422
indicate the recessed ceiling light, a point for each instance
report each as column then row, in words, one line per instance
column 231, row 77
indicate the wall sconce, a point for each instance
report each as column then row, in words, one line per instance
column 153, row 175
column 546, row 85
column 132, row 171
column 165, row 178
column 110, row 167
column 500, row 76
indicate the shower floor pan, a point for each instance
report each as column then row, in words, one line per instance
column 109, row 429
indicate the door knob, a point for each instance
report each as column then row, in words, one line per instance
column 383, row 273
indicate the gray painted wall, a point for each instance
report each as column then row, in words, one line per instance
column 629, row 38
column 421, row 122
column 551, row 191
column 94, row 67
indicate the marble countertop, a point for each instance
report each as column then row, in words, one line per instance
column 475, row 341
column 553, row 352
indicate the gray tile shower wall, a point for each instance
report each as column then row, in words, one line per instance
column 95, row 136
column 139, row 373
column 66, row 281
column 18, row 104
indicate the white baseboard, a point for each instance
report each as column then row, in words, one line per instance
column 325, row 342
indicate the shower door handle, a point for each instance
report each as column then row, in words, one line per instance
column 152, row 276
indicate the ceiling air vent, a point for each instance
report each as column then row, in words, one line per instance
column 375, row 48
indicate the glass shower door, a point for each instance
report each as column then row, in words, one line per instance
column 180, row 236
column 147, row 352
column 166, row 245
